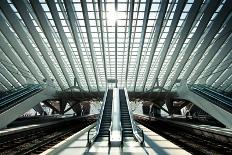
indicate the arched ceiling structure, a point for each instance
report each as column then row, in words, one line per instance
column 141, row 43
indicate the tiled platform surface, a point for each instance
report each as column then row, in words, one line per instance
column 154, row 144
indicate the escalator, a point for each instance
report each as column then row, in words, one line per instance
column 106, row 117
column 13, row 97
column 115, row 123
column 214, row 97
column 216, row 93
column 125, row 117
column 18, row 101
column 207, row 101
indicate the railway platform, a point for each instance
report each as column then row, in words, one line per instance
column 153, row 144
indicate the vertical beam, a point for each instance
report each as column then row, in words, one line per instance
column 194, row 10
column 23, row 11
column 90, row 40
column 215, row 27
column 116, row 44
column 129, row 36
column 176, row 17
column 158, row 27
column 64, row 39
column 144, row 28
column 99, row 2
column 50, row 37
column 208, row 12
column 72, row 21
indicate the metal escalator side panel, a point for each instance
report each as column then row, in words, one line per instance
column 105, row 117
column 125, row 116
column 20, row 97
column 223, row 116
column 115, row 128
column 212, row 98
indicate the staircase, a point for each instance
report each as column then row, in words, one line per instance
column 125, row 117
column 106, row 117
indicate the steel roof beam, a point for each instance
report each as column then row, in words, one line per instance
column 129, row 36
column 176, row 17
column 228, row 85
column 99, row 2
column 90, row 40
column 14, row 42
column 183, row 35
column 19, row 29
column 158, row 28
column 10, row 54
column 12, row 69
column 220, row 40
column 213, row 30
column 72, row 21
column 22, row 8
column 223, row 77
column 47, row 29
column 2, row 87
column 64, row 39
column 8, row 76
column 5, row 82
column 221, row 54
column 208, row 12
column 144, row 28
column 222, row 67
column 116, row 45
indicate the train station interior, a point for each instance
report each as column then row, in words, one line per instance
column 115, row 77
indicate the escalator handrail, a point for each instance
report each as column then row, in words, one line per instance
column 217, row 93
column 138, row 128
column 11, row 92
column 22, row 98
column 15, row 91
column 88, row 139
column 101, row 112
column 226, row 106
column 134, row 126
column 219, row 97
column 19, row 95
column 213, row 95
column 98, row 124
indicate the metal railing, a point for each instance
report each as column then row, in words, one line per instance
column 98, row 124
column 136, row 129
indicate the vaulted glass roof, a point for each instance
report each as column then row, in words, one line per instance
column 141, row 44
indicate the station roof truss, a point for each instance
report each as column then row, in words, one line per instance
column 140, row 43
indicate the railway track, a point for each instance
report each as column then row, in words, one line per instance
column 183, row 137
column 41, row 139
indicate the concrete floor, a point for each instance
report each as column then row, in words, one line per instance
column 154, row 144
